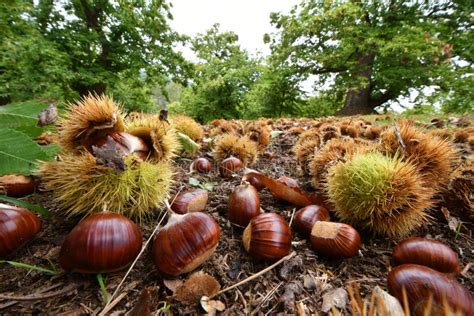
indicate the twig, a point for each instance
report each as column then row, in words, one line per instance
column 112, row 304
column 35, row 297
column 106, row 307
column 266, row 298
column 399, row 137
column 466, row 268
column 256, row 275
column 49, row 288
column 292, row 216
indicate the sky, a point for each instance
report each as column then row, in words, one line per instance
column 249, row 19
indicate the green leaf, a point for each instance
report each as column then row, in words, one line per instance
column 103, row 289
column 18, row 152
column 274, row 134
column 29, row 267
column 187, row 144
column 51, row 150
column 32, row 207
column 29, row 109
column 20, row 122
column 194, row 182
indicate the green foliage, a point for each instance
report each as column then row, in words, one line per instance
column 18, row 125
column 370, row 52
column 63, row 49
column 187, row 144
column 222, row 77
column 32, row 207
column 275, row 94
column 419, row 109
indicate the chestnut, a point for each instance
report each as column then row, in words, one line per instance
column 421, row 283
column 17, row 226
column 190, row 201
column 230, row 165
column 101, row 243
column 254, row 181
column 307, row 216
column 185, row 242
column 431, row 253
column 244, row 204
column 126, row 143
column 17, row 185
column 201, row 165
column 267, row 236
column 335, row 240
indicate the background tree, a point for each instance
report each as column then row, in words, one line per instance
column 122, row 47
column 222, row 77
column 369, row 52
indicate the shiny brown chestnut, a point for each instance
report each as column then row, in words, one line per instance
column 307, row 216
column 190, row 201
column 201, row 165
column 101, row 243
column 267, row 236
column 17, row 185
column 230, row 165
column 126, row 143
column 244, row 204
column 254, row 181
column 431, row 253
column 185, row 242
column 17, row 226
column 421, row 283
column 335, row 240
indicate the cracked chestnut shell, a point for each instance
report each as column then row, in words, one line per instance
column 267, row 236
column 307, row 216
column 17, row 226
column 431, row 253
column 126, row 143
column 421, row 282
column 335, row 240
column 243, row 205
column 101, row 243
column 185, row 242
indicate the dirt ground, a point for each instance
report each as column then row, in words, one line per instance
column 298, row 284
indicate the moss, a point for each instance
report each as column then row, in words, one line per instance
column 384, row 194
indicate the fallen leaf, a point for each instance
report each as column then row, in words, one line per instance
column 142, row 306
column 211, row 306
column 308, row 282
column 289, row 265
column 453, row 222
column 289, row 296
column 336, row 298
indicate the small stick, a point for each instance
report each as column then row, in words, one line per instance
column 256, row 275
column 292, row 216
column 112, row 304
column 35, row 297
column 399, row 137
column 134, row 262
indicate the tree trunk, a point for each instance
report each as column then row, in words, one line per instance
column 96, row 88
column 357, row 100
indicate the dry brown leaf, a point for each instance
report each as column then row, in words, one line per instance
column 295, row 196
column 142, row 306
column 172, row 285
column 336, row 298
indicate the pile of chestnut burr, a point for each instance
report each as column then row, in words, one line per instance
column 107, row 242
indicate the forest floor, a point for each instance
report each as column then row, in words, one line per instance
column 298, row 284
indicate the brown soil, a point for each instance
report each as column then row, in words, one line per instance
column 303, row 280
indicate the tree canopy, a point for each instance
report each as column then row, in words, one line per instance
column 371, row 52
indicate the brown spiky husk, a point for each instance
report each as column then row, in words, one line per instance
column 158, row 133
column 373, row 132
column 89, row 119
column 349, row 130
column 222, row 127
column 240, row 147
column 443, row 133
column 461, row 135
column 187, row 126
column 403, row 207
column 328, row 155
column 435, row 158
column 80, row 186
column 304, row 152
column 259, row 132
